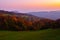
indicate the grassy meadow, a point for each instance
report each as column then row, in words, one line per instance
column 49, row 34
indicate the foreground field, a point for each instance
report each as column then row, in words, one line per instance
column 49, row 34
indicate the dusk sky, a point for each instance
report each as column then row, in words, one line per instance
column 30, row 5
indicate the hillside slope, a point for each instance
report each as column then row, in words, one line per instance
column 20, row 22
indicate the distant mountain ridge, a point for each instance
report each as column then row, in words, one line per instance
column 51, row 14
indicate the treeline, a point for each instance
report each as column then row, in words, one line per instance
column 15, row 23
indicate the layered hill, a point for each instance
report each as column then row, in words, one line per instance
column 23, row 21
column 47, row 14
column 28, row 17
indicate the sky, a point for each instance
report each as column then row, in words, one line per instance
column 29, row 5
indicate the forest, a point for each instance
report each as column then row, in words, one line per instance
column 11, row 22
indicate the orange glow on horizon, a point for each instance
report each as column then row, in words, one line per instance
column 31, row 4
